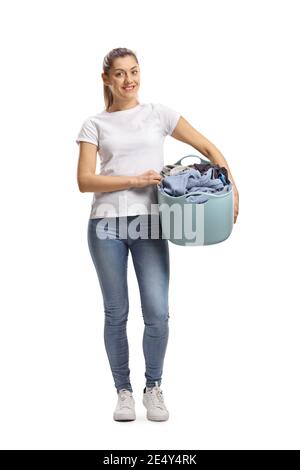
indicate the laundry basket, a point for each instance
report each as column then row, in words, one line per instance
column 186, row 223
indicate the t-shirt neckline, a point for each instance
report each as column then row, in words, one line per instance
column 123, row 110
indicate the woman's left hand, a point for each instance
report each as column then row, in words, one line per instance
column 236, row 203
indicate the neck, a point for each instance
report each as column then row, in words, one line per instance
column 120, row 106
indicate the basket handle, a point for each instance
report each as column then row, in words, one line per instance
column 201, row 159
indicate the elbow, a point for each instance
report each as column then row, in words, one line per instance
column 85, row 182
column 81, row 186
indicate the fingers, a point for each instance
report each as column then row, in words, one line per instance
column 154, row 177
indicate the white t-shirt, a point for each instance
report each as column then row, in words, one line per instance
column 129, row 142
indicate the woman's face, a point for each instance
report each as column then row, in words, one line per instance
column 124, row 77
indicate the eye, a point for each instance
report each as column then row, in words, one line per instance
column 120, row 73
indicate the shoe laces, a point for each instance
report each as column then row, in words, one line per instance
column 157, row 398
column 126, row 398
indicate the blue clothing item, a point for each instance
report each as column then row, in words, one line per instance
column 151, row 263
column 218, row 171
column 190, row 181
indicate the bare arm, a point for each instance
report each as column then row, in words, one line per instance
column 189, row 135
column 88, row 181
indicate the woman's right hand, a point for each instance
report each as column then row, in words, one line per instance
column 144, row 179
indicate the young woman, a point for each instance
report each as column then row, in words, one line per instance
column 129, row 138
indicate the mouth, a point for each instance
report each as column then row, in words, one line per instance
column 129, row 88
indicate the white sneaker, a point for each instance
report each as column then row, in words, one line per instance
column 125, row 407
column 153, row 400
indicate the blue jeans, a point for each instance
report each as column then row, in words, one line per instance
column 150, row 258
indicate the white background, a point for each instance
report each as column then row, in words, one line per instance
column 231, row 372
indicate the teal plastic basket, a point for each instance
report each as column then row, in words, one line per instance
column 189, row 224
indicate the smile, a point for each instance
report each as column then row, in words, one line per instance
column 129, row 88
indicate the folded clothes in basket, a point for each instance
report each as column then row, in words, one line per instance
column 180, row 180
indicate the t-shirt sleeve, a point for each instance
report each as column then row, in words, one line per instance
column 88, row 133
column 168, row 117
